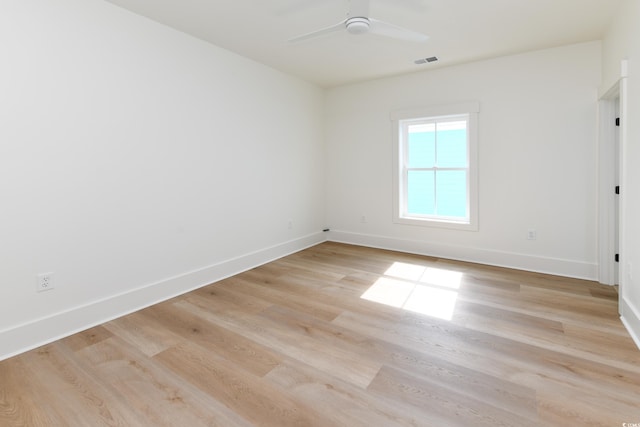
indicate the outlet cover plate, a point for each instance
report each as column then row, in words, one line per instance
column 44, row 282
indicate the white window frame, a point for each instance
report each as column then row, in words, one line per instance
column 445, row 112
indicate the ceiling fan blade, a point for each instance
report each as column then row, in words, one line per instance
column 390, row 30
column 318, row 33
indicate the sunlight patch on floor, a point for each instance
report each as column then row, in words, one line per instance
column 426, row 290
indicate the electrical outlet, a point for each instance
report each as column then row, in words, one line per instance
column 532, row 235
column 44, row 282
column 290, row 224
column 363, row 219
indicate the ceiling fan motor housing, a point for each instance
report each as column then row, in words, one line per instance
column 357, row 25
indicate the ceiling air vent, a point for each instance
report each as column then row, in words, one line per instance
column 425, row 60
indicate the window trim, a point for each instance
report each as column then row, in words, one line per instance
column 470, row 109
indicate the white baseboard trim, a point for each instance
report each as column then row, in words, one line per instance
column 555, row 266
column 630, row 317
column 33, row 334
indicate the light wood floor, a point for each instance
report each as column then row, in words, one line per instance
column 292, row 343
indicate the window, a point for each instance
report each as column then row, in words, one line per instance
column 435, row 159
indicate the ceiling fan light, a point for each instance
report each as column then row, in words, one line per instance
column 357, row 25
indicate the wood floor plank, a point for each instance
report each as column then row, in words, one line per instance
column 491, row 354
column 250, row 397
column 451, row 407
column 488, row 389
column 300, row 342
column 340, row 402
column 22, row 401
column 275, row 294
column 87, row 338
column 259, row 329
column 428, row 342
column 160, row 396
column 226, row 291
column 139, row 334
column 507, row 323
column 559, row 402
column 590, row 312
column 75, row 394
column 598, row 345
column 245, row 353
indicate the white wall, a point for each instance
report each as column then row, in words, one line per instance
column 623, row 42
column 137, row 162
column 537, row 160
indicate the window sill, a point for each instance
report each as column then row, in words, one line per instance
column 434, row 223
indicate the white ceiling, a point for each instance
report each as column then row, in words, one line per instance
column 459, row 30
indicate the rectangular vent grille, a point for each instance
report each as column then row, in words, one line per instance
column 425, row 60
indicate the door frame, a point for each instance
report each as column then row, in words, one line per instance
column 611, row 105
column 607, row 180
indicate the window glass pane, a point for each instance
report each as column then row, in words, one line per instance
column 422, row 145
column 420, row 193
column 451, row 190
column 452, row 144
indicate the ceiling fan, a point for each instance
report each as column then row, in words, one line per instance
column 359, row 22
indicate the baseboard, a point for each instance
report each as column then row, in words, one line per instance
column 556, row 266
column 27, row 336
column 630, row 317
